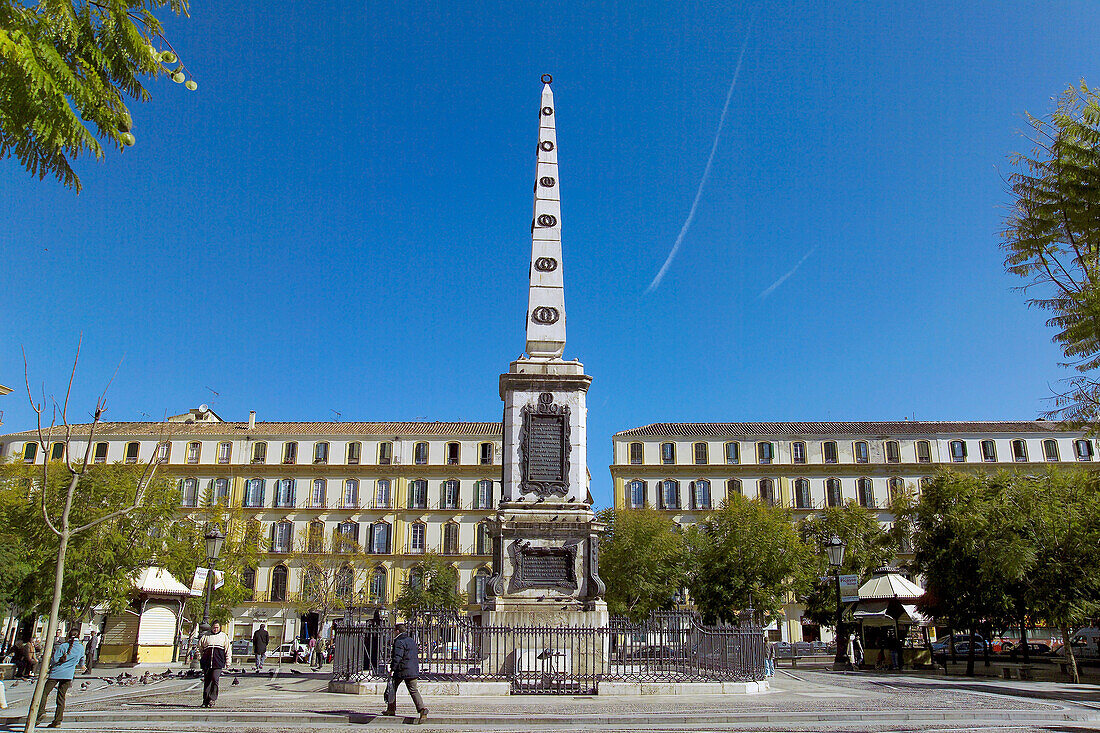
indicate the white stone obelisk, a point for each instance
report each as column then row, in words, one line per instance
column 545, row 549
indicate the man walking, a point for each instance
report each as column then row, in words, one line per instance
column 66, row 657
column 259, row 646
column 214, row 652
column 404, row 667
column 91, row 654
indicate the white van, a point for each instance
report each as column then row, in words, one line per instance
column 1086, row 642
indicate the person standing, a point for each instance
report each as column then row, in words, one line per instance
column 769, row 658
column 374, row 643
column 259, row 646
column 91, row 654
column 404, row 667
column 214, row 653
column 67, row 656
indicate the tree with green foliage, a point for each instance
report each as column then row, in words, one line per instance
column 869, row 547
column 747, row 555
column 642, row 561
column 331, row 570
column 67, row 68
column 1052, row 238
column 1059, row 512
column 432, row 584
column 967, row 558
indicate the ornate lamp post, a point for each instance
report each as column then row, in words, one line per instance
column 214, row 540
column 835, row 550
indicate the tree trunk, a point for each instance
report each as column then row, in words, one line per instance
column 970, row 654
column 1071, row 659
column 1023, row 638
column 51, row 630
column 951, row 644
column 985, row 647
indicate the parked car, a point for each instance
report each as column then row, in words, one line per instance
column 963, row 647
column 291, row 651
column 942, row 645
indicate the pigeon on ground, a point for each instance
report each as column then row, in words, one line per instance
column 294, row 671
column 236, row 681
column 84, row 685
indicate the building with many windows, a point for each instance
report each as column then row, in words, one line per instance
column 687, row 469
column 395, row 490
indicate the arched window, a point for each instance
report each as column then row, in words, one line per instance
column 377, row 590
column 345, row 583
column 865, row 493
column 190, row 490
column 259, row 452
column 57, row 451
column 896, row 486
column 194, row 450
column 699, row 452
column 1050, row 450
column 420, row 454
column 100, row 453
column 635, row 454
column 164, row 452
column 350, row 499
column 670, row 494
column 833, row 494
column 765, row 452
column 1083, row 449
column 989, row 451
column 893, row 451
column 828, row 452
column 415, row 579
column 484, row 540
column 284, row 492
column 319, row 495
column 355, row 449
column 802, row 498
column 636, row 492
column 254, row 492
column 316, row 539
column 452, row 454
column 450, row 539
column 481, row 582
column 290, row 452
column 861, row 451
column 958, row 450
column 483, row 496
column 418, row 533
column 700, row 494
column 1019, row 451
column 382, row 494
column 767, row 491
column 278, row 583
column 131, row 454
column 380, row 538
column 385, row 453
column 668, row 453
column 733, row 488
column 733, row 453
column 225, row 452
column 221, row 491
column 248, row 582
column 798, row 452
column 924, row 451
column 320, row 452
column 418, row 494
column 449, row 494
column 485, row 451
column 347, row 537
column 282, row 535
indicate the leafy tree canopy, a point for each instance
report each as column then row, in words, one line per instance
column 642, row 561
column 747, row 554
column 432, row 584
column 1052, row 237
column 67, row 68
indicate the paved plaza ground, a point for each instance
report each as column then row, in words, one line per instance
column 799, row 700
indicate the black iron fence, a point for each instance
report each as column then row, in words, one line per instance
column 667, row 647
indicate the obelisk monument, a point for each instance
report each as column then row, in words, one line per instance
column 546, row 539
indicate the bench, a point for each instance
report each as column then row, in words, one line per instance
column 1022, row 671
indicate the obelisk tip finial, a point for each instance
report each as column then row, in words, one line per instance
column 547, row 79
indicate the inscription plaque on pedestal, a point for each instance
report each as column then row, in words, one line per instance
column 545, row 448
column 545, row 567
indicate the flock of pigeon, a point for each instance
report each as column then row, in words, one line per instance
column 125, row 679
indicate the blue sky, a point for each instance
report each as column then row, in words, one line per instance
column 338, row 219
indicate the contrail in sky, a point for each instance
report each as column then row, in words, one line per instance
column 706, row 171
column 783, row 278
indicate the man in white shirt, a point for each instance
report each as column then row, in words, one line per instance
column 215, row 652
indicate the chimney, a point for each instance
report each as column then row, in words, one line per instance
column 251, row 419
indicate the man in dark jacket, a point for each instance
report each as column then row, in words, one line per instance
column 404, row 667
column 259, row 646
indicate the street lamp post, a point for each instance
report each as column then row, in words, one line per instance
column 835, row 550
column 214, row 540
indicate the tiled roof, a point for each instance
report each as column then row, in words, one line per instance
column 904, row 427
column 275, row 429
